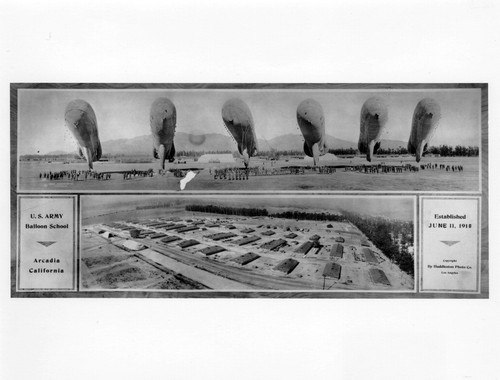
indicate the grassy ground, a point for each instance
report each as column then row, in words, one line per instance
column 424, row 180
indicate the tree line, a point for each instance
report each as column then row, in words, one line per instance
column 285, row 152
column 243, row 211
column 441, row 150
column 301, row 215
column 459, row 150
column 385, row 234
column 224, row 210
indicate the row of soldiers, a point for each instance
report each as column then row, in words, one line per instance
column 99, row 176
column 138, row 173
column 381, row 168
column 63, row 174
column 256, row 171
column 232, row 174
column 455, row 168
column 448, row 168
column 83, row 175
column 178, row 173
column 74, row 175
column 239, row 173
column 326, row 170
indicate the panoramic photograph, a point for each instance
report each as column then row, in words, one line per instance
column 257, row 243
column 249, row 139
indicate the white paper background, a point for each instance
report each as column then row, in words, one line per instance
column 252, row 41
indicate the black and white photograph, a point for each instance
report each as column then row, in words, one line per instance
column 250, row 190
column 249, row 138
column 236, row 243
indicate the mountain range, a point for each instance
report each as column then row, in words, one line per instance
column 213, row 142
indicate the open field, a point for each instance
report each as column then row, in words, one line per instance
column 239, row 253
column 340, row 180
column 105, row 266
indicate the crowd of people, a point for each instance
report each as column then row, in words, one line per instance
column 244, row 173
column 383, row 168
column 231, row 174
column 84, row 175
column 327, row 170
column 74, row 175
column 138, row 173
column 237, row 173
column 448, row 168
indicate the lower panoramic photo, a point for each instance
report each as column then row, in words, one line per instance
column 248, row 243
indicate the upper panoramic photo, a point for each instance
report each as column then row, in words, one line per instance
column 248, row 139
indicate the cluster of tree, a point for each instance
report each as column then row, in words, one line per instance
column 343, row 151
column 122, row 155
column 392, row 237
column 196, row 154
column 297, row 215
column 457, row 151
column 442, row 150
column 131, row 159
column 49, row 157
column 352, row 152
column 301, row 215
column 278, row 153
column 392, row 151
column 213, row 209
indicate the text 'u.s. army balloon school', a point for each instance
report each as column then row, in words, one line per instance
column 238, row 120
column 311, row 121
column 163, row 118
column 80, row 119
column 425, row 121
column 373, row 118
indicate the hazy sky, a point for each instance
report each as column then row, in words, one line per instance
column 125, row 113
